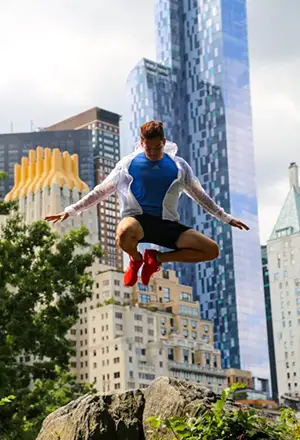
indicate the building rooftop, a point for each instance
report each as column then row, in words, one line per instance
column 288, row 221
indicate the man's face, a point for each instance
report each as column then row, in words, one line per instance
column 154, row 148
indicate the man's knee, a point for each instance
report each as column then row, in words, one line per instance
column 124, row 235
column 213, row 251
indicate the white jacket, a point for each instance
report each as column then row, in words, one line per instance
column 119, row 180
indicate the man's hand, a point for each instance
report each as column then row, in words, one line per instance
column 238, row 224
column 58, row 217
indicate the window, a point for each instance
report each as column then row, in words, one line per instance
column 185, row 356
column 150, row 332
column 185, row 296
column 194, row 324
column 165, row 274
column 143, row 288
column 116, row 282
column 185, row 333
column 194, row 335
column 119, row 315
column 138, row 317
column 95, row 365
column 116, row 360
column 130, row 359
column 117, row 375
column 163, row 331
column 207, row 359
column 170, row 354
column 144, row 298
column 117, row 386
column 184, row 322
column 138, row 329
column 146, row 376
column 116, row 348
column 188, row 311
column 119, row 327
column 276, row 276
column 163, row 320
column 166, row 294
column 150, row 320
column 105, row 283
column 138, row 339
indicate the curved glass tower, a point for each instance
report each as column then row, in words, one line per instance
column 204, row 44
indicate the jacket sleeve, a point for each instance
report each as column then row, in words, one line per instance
column 195, row 191
column 99, row 193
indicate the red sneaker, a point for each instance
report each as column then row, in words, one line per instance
column 131, row 274
column 151, row 265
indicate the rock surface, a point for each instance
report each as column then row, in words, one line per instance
column 123, row 417
column 97, row 417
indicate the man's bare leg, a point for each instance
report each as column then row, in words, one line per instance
column 129, row 232
column 194, row 247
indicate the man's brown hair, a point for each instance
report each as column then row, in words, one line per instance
column 152, row 129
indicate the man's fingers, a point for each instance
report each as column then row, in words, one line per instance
column 244, row 226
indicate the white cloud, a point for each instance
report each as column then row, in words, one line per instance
column 276, row 122
column 70, row 55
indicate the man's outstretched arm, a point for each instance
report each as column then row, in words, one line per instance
column 99, row 193
column 194, row 189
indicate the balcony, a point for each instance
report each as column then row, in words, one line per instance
column 143, row 366
column 179, row 366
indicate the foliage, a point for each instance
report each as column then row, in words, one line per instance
column 110, row 301
column 6, row 207
column 43, row 279
column 218, row 423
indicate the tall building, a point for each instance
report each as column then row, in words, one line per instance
column 105, row 130
column 205, row 46
column 123, row 342
column 16, row 145
column 284, row 271
column 265, row 269
column 149, row 96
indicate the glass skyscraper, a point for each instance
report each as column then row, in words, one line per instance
column 149, row 96
column 204, row 44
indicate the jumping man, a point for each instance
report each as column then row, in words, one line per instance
column 149, row 183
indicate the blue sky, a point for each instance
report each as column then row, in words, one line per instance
column 64, row 56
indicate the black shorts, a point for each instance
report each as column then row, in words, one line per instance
column 164, row 233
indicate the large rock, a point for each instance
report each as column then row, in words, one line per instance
column 97, row 417
column 167, row 397
column 123, row 417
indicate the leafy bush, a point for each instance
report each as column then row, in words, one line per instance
column 218, row 423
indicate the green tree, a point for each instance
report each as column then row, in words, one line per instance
column 5, row 207
column 43, row 279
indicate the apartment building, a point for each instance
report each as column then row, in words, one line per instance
column 124, row 340
column 283, row 250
